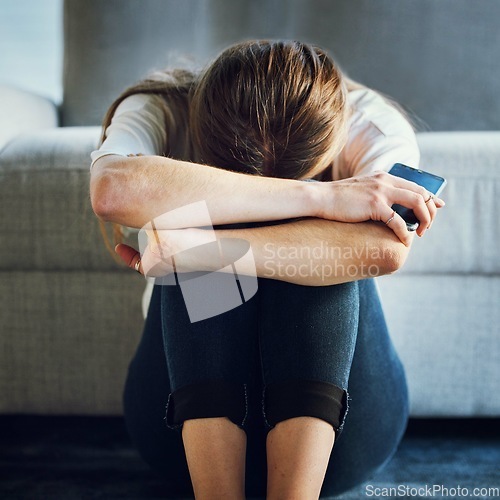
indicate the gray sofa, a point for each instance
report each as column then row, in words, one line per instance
column 71, row 317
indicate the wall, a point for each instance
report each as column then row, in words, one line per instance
column 31, row 46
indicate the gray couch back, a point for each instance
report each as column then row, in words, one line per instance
column 438, row 58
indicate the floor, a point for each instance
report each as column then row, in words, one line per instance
column 91, row 458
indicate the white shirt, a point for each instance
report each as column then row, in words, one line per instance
column 378, row 137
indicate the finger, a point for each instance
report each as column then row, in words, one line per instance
column 426, row 195
column 439, row 202
column 413, row 186
column 397, row 224
column 432, row 209
column 129, row 255
column 414, row 201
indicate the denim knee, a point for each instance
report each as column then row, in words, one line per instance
column 207, row 399
column 304, row 398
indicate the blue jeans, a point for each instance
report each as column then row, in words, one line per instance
column 291, row 350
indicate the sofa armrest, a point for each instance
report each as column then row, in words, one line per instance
column 22, row 111
column 465, row 236
column 47, row 221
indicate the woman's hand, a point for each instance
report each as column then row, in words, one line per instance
column 173, row 250
column 149, row 264
column 370, row 197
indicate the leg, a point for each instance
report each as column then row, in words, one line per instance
column 145, row 399
column 209, row 363
column 215, row 451
column 307, row 343
column 378, row 408
column 298, row 452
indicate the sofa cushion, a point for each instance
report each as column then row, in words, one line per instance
column 110, row 45
column 438, row 59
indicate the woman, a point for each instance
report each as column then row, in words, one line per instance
column 263, row 390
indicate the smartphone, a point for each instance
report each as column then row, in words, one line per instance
column 433, row 183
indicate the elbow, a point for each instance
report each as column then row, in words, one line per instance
column 393, row 258
column 103, row 197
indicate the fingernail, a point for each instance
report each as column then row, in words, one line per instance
column 116, row 246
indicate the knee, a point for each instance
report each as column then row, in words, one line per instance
column 304, row 398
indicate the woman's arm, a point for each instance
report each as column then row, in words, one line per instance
column 133, row 191
column 318, row 252
column 312, row 252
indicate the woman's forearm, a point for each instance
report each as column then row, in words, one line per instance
column 132, row 191
column 317, row 252
column 310, row 251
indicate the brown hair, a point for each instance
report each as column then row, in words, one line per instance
column 276, row 109
column 271, row 108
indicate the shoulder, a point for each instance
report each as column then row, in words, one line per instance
column 140, row 103
column 371, row 111
column 379, row 135
column 137, row 127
